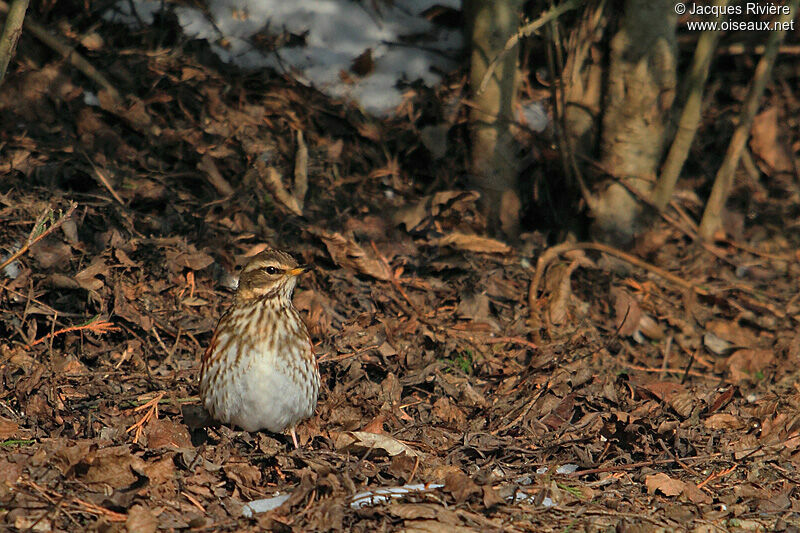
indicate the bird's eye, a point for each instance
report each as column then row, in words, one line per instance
column 271, row 270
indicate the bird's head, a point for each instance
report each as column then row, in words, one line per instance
column 270, row 274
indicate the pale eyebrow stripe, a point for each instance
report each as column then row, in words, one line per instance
column 253, row 266
column 258, row 266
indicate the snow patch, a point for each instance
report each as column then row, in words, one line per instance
column 336, row 32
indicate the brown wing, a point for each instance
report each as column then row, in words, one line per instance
column 204, row 362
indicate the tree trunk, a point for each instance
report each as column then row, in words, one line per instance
column 494, row 165
column 641, row 87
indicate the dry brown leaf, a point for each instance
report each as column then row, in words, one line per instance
column 766, row 143
column 87, row 278
column 125, row 309
column 161, row 470
column 664, row 390
column 733, row 333
column 432, row 206
column 473, row 243
column 473, row 307
column 141, row 520
column 113, row 465
column 165, row 433
column 346, row 253
column 50, row 253
column 435, row 526
column 191, row 258
column 724, row 421
column 361, row 441
column 665, row 484
column 460, row 486
column 375, row 425
column 243, row 474
column 748, row 364
column 447, row 412
column 695, row 495
column 274, row 182
column 650, row 328
column 411, row 511
column 558, row 279
column 626, row 310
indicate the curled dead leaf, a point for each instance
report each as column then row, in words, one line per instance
column 87, row 278
column 348, row 254
column 190, row 258
column 473, row 243
column 361, row 441
column 663, row 483
column 724, row 421
column 627, row 311
column 415, row 215
column 460, row 486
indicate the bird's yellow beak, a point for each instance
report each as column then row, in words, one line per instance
column 297, row 271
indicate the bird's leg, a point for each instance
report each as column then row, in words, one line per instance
column 294, row 439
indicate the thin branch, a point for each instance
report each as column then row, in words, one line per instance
column 551, row 253
column 73, row 57
column 526, row 30
column 98, row 326
column 300, row 171
column 151, row 414
column 11, row 32
column 712, row 215
column 690, row 116
column 40, row 231
column 215, row 178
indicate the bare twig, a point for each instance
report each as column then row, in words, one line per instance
column 68, row 52
column 40, row 231
column 551, row 14
column 98, row 326
column 712, row 215
column 151, row 414
column 300, row 171
column 11, row 32
column 101, row 177
column 272, row 179
column 216, row 179
column 690, row 116
column 551, row 253
column 639, row 465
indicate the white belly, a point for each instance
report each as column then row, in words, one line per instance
column 259, row 391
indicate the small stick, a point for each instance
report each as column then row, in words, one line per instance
column 37, row 234
column 69, row 53
column 98, row 326
column 667, row 347
column 552, row 14
column 634, row 466
column 551, row 253
column 216, row 179
column 272, row 179
column 107, row 184
column 11, row 32
column 300, row 170
column 723, row 182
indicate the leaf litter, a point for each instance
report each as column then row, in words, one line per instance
column 451, row 400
